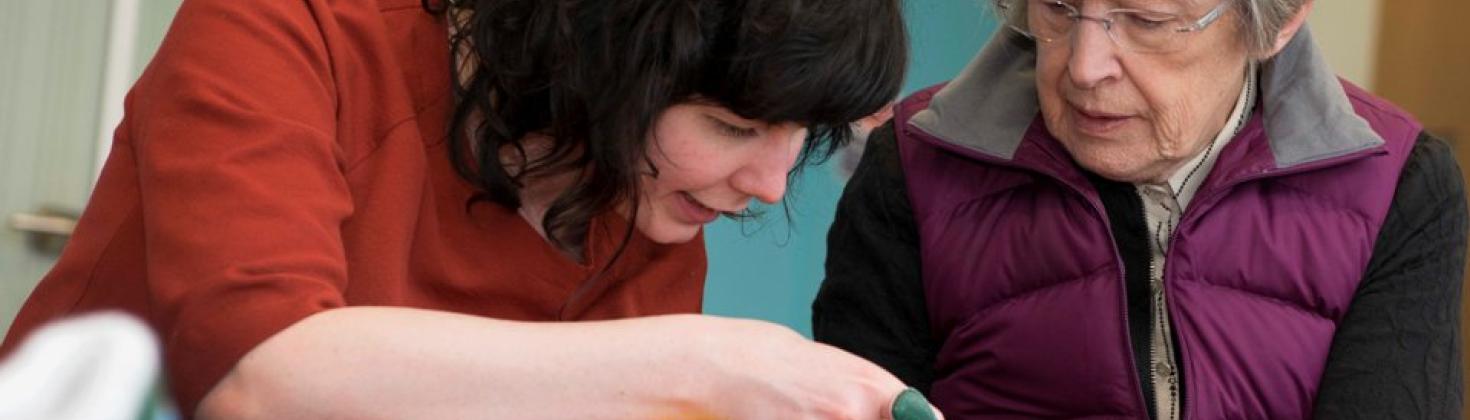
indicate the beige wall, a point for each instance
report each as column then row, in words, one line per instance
column 1347, row 31
column 52, row 88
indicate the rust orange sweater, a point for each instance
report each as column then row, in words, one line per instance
column 281, row 158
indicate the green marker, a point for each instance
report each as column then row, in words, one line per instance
column 911, row 405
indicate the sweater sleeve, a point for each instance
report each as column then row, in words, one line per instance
column 872, row 302
column 1396, row 354
column 241, row 180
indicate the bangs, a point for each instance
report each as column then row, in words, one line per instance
column 823, row 72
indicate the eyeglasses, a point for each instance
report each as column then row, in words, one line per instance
column 1135, row 30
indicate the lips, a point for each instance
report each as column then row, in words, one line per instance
column 1096, row 122
column 694, row 212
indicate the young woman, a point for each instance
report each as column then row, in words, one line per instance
column 372, row 209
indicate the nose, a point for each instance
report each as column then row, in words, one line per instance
column 765, row 172
column 1094, row 56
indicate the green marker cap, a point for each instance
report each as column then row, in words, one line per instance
column 911, row 405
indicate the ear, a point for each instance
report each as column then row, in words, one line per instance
column 1293, row 25
column 878, row 118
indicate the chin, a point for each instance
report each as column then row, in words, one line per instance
column 670, row 235
column 1117, row 170
column 1112, row 159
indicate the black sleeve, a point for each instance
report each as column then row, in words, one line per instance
column 872, row 301
column 1396, row 354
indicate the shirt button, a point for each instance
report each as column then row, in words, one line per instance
column 1164, row 369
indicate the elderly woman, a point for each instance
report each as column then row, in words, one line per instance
column 1154, row 209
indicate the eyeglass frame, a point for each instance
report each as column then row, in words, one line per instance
column 1107, row 22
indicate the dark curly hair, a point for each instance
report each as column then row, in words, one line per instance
column 593, row 76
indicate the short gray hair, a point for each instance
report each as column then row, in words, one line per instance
column 1260, row 20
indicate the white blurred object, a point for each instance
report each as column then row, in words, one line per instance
column 96, row 367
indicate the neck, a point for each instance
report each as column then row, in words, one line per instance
column 540, row 190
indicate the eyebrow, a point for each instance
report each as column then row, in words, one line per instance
column 727, row 124
column 1162, row 6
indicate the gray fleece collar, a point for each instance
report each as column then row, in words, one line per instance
column 991, row 103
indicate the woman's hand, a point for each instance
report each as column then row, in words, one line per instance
column 760, row 370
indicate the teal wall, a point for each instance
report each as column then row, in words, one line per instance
column 770, row 269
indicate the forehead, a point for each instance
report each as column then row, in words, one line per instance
column 1171, row 6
